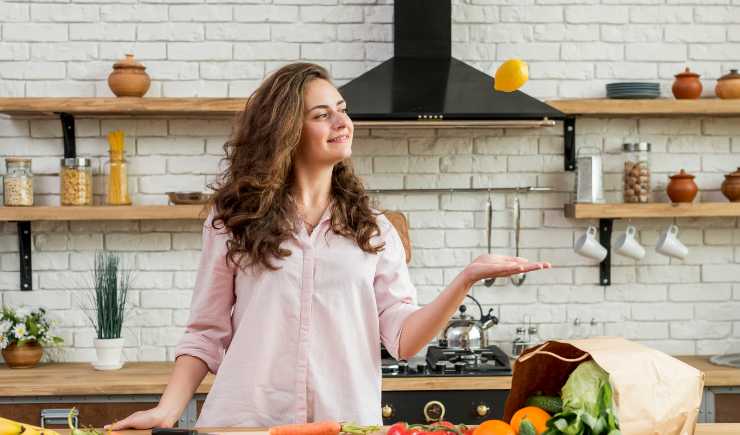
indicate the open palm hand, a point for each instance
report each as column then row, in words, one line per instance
column 500, row 266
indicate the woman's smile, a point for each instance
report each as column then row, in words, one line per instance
column 344, row 138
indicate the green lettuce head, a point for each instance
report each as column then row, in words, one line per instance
column 582, row 390
column 587, row 404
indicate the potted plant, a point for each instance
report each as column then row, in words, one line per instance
column 23, row 334
column 107, row 308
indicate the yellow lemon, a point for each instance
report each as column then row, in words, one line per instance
column 511, row 75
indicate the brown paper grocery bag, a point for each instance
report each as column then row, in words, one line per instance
column 654, row 393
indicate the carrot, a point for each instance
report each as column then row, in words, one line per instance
column 322, row 428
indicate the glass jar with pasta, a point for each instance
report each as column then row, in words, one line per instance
column 18, row 182
column 76, row 181
column 116, row 172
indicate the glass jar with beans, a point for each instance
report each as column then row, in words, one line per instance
column 636, row 172
column 76, row 181
column 18, row 182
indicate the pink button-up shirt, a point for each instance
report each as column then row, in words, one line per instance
column 302, row 343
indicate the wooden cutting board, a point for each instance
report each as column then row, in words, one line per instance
column 399, row 221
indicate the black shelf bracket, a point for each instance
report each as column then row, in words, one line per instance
column 68, row 133
column 605, row 238
column 569, row 146
column 24, row 254
column 24, row 227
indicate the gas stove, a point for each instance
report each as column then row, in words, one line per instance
column 456, row 405
column 446, row 361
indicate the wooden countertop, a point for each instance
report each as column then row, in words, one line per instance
column 66, row 379
column 701, row 429
column 714, row 375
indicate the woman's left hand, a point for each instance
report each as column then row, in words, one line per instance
column 498, row 266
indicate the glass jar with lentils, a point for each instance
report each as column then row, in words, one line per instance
column 636, row 172
column 76, row 181
column 18, row 182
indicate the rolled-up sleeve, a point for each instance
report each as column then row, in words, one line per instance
column 209, row 329
column 395, row 294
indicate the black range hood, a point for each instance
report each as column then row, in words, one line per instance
column 424, row 82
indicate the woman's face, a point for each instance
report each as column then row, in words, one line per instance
column 327, row 130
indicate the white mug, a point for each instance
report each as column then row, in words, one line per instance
column 628, row 246
column 588, row 246
column 668, row 244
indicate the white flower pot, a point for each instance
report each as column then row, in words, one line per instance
column 110, row 354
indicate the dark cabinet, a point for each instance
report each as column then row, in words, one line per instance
column 96, row 414
column 727, row 407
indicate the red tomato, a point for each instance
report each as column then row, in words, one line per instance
column 441, row 428
column 416, row 431
column 400, row 428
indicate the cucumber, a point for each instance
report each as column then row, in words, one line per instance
column 551, row 404
column 527, row 428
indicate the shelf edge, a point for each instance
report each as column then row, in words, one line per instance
column 651, row 210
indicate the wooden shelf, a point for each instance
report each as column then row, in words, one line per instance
column 652, row 210
column 208, row 107
column 121, row 106
column 154, row 106
column 661, row 107
column 103, row 212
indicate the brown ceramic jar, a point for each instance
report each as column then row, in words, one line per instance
column 682, row 187
column 128, row 78
column 728, row 86
column 687, row 85
column 731, row 186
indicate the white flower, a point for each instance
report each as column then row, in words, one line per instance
column 3, row 342
column 20, row 331
column 5, row 327
column 22, row 313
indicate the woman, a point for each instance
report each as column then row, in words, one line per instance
column 300, row 281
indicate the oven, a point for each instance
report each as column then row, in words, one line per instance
column 457, row 406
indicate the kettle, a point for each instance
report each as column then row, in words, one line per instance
column 465, row 332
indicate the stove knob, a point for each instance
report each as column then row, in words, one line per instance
column 439, row 366
column 403, row 367
column 482, row 410
column 434, row 410
column 459, row 366
column 387, row 411
column 421, row 367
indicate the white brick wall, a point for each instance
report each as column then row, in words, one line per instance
column 669, row 304
column 226, row 48
column 564, row 43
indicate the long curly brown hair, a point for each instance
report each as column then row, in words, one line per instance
column 253, row 197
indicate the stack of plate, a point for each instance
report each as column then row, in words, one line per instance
column 633, row 90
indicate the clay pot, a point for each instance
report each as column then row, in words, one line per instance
column 23, row 357
column 682, row 187
column 128, row 78
column 687, row 85
column 731, row 186
column 728, row 86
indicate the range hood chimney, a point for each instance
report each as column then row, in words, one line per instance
column 424, row 82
